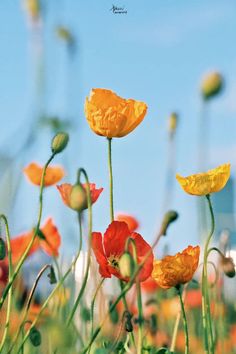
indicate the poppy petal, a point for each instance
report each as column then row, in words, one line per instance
column 19, row 245
column 115, row 238
column 99, row 254
column 52, row 240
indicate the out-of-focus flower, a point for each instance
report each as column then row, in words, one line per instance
column 172, row 124
column 193, row 298
column 228, row 266
column 53, row 174
column 109, row 249
column 169, row 308
column 64, row 34
column 79, row 200
column 33, row 9
column 176, row 270
column 212, row 84
column 149, row 285
column 194, row 342
column 209, row 182
column 112, row 116
column 131, row 221
column 48, row 240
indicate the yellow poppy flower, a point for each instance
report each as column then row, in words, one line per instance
column 209, row 182
column 175, row 270
column 112, row 116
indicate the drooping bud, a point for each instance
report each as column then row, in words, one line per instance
column 211, row 85
column 35, row 336
column 2, row 249
column 169, row 217
column 59, row 142
column 228, row 266
column 52, row 276
column 78, row 198
column 172, row 124
column 126, row 265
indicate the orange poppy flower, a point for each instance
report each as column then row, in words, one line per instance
column 132, row 223
column 49, row 240
column 112, row 116
column 175, row 270
column 53, row 174
column 109, row 249
column 65, row 190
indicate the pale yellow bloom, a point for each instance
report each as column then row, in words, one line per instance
column 209, row 182
column 112, row 116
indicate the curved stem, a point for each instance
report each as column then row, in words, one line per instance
column 93, row 303
column 184, row 320
column 10, row 270
column 110, row 179
column 71, row 315
column 206, row 313
column 23, row 257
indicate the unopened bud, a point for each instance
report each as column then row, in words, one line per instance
column 78, row 198
column 172, row 123
column 2, row 249
column 64, row 34
column 52, row 276
column 211, row 85
column 169, row 217
column 126, row 265
column 228, row 266
column 59, row 142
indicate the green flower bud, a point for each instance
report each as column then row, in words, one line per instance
column 172, row 123
column 52, row 276
column 78, row 198
column 2, row 249
column 126, row 265
column 59, row 142
column 211, row 85
column 35, row 336
column 169, row 217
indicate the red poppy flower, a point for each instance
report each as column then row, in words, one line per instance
column 109, row 249
column 193, row 298
column 65, row 191
column 34, row 173
column 49, row 240
column 132, row 223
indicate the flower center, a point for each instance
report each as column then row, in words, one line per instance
column 113, row 261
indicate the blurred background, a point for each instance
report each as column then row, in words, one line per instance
column 52, row 54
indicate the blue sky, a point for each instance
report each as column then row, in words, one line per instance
column 156, row 53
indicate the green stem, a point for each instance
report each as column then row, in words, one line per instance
column 23, row 257
column 110, row 179
column 93, row 303
column 206, row 313
column 72, row 313
column 10, row 270
column 184, row 320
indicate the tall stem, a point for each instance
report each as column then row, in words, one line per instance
column 23, row 257
column 184, row 321
column 3, row 217
column 110, row 179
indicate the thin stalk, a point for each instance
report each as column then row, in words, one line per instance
column 23, row 257
column 10, row 270
column 72, row 313
column 110, row 179
column 184, row 320
column 93, row 303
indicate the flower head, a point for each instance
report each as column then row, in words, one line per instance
column 211, row 84
column 53, row 174
column 209, row 182
column 175, row 270
column 109, row 249
column 112, row 116
column 48, row 240
column 132, row 223
column 65, row 190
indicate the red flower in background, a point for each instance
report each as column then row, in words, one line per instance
column 65, row 190
column 193, row 298
column 109, row 249
column 132, row 223
column 48, row 239
column 149, row 285
column 34, row 173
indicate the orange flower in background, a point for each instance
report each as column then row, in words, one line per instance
column 109, row 249
column 65, row 190
column 132, row 223
column 193, row 298
column 112, row 116
column 175, row 270
column 48, row 240
column 209, row 182
column 53, row 174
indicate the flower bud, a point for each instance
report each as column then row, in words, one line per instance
column 78, row 198
column 169, row 217
column 52, row 276
column 64, row 34
column 228, row 266
column 35, row 337
column 126, row 265
column 59, row 142
column 172, row 123
column 211, row 85
column 2, row 249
